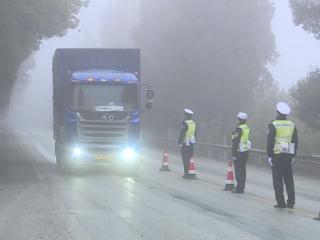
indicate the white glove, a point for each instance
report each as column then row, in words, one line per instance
column 270, row 161
column 234, row 158
column 180, row 145
column 293, row 161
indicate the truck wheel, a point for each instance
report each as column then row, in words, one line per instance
column 61, row 159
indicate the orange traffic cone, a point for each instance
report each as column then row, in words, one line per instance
column 165, row 162
column 317, row 218
column 230, row 178
column 192, row 169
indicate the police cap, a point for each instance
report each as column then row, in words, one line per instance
column 283, row 108
column 188, row 111
column 242, row 115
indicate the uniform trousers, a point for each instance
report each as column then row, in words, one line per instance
column 186, row 154
column 282, row 174
column 240, row 170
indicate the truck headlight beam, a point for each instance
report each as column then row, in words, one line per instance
column 77, row 151
column 129, row 153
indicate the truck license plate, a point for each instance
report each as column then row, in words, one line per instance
column 102, row 157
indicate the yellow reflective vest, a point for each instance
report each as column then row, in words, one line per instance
column 245, row 144
column 283, row 137
column 190, row 134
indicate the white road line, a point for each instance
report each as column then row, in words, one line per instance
column 43, row 151
column 26, row 135
column 40, row 148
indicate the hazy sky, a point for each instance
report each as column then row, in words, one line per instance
column 299, row 51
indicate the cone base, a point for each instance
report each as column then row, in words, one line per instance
column 191, row 176
column 229, row 187
column 164, row 168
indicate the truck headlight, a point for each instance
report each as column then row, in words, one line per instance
column 77, row 151
column 129, row 154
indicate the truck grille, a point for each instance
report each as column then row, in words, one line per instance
column 103, row 134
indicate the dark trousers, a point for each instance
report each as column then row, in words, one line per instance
column 240, row 170
column 186, row 154
column 282, row 173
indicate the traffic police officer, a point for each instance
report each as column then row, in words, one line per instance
column 187, row 139
column 282, row 143
column 240, row 150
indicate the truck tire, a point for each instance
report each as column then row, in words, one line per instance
column 61, row 160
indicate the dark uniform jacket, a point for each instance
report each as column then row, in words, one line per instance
column 272, row 134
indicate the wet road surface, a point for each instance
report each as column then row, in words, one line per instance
column 38, row 202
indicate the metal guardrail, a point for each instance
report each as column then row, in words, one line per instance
column 261, row 154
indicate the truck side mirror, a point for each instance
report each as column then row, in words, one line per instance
column 150, row 98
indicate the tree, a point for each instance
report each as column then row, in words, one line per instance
column 208, row 55
column 306, row 93
column 307, row 98
column 23, row 25
column 307, row 14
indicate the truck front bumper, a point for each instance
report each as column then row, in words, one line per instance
column 106, row 155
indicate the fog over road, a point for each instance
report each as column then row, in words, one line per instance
column 37, row 202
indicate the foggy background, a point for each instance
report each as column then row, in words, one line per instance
column 299, row 51
column 112, row 24
column 105, row 23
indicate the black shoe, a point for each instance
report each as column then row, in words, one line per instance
column 236, row 191
column 290, row 206
column 280, row 206
column 185, row 176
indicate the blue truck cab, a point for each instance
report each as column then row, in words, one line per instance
column 97, row 106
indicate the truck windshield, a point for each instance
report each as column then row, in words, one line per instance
column 105, row 97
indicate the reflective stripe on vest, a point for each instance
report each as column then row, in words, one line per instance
column 283, row 137
column 190, row 134
column 244, row 144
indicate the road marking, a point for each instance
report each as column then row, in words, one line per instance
column 43, row 151
column 22, row 134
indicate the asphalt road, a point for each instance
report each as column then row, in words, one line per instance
column 38, row 202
